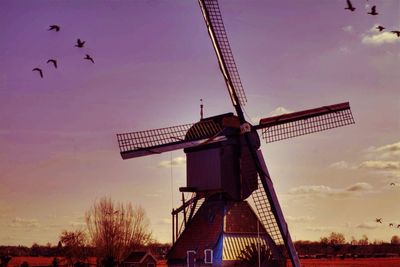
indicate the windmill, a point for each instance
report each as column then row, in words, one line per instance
column 225, row 166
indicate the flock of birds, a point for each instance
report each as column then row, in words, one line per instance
column 380, row 28
column 379, row 220
column 372, row 12
column 79, row 44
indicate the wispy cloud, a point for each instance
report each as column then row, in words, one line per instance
column 175, row 162
column 277, row 111
column 327, row 191
column 18, row 222
column 344, row 50
column 300, row 219
column 321, row 228
column 280, row 111
column 164, row 221
column 381, row 165
column 389, row 151
column 367, row 225
column 348, row 28
column 342, row 165
column 77, row 224
column 379, row 38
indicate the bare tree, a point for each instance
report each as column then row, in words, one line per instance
column 74, row 243
column 116, row 229
column 336, row 239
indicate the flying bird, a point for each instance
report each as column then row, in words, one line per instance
column 373, row 11
column 390, row 224
column 89, row 58
column 53, row 61
column 396, row 32
column 40, row 72
column 380, row 28
column 79, row 43
column 54, row 28
column 378, row 220
column 392, row 184
column 350, row 6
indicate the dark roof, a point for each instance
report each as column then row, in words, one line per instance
column 240, row 218
column 207, row 228
column 138, row 256
column 202, row 232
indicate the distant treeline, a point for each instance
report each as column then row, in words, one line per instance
column 38, row 250
column 306, row 249
column 58, row 251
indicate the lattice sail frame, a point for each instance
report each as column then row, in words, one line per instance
column 137, row 144
column 216, row 30
column 306, row 122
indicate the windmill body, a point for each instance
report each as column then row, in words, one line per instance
column 225, row 167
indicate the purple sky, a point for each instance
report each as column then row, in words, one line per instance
column 153, row 62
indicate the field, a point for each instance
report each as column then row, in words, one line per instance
column 368, row 262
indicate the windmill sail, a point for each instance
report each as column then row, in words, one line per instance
column 305, row 122
column 216, row 30
column 143, row 143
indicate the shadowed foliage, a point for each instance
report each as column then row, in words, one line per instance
column 252, row 256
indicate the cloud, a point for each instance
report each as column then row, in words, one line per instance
column 344, row 50
column 390, row 151
column 299, row 219
column 367, row 225
column 343, row 165
column 151, row 195
column 18, row 222
column 326, row 191
column 275, row 112
column 165, row 221
column 359, row 187
column 381, row 165
column 348, row 28
column 279, row 111
column 321, row 228
column 379, row 38
column 175, row 162
column 77, row 224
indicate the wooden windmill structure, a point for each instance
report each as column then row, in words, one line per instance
column 225, row 166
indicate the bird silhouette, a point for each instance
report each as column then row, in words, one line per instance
column 380, row 28
column 54, row 28
column 350, row 6
column 373, row 11
column 40, row 72
column 79, row 43
column 392, row 184
column 378, row 220
column 396, row 32
column 390, row 224
column 53, row 61
column 89, row 58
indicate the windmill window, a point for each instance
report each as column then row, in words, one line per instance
column 208, row 256
column 191, row 258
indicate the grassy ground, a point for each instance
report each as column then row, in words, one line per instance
column 368, row 262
